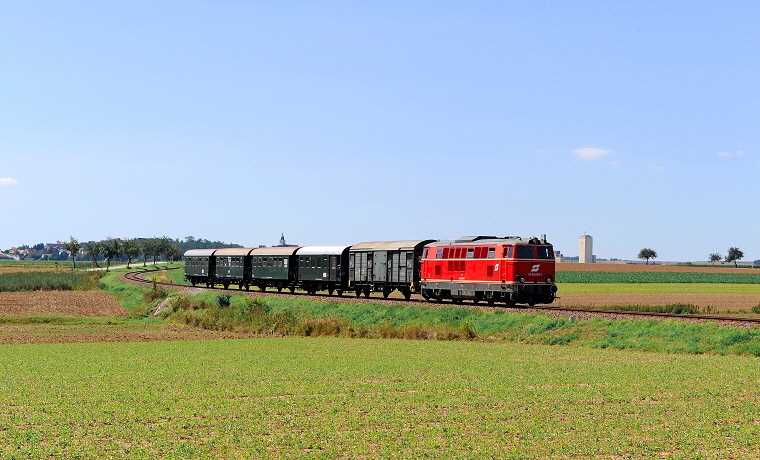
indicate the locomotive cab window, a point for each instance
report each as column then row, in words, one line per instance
column 524, row 252
column 470, row 253
column 545, row 252
column 439, row 253
column 491, row 252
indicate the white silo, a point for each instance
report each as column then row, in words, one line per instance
column 586, row 251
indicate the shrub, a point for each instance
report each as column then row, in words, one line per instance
column 150, row 295
column 756, row 308
column 223, row 300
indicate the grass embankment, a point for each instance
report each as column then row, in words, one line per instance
column 333, row 398
column 302, row 317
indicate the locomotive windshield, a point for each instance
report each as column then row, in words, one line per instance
column 545, row 252
column 524, row 252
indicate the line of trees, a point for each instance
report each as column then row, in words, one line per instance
column 131, row 249
column 734, row 255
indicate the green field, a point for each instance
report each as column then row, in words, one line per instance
column 663, row 288
column 339, row 397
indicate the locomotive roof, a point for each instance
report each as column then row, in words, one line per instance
column 479, row 241
column 389, row 245
column 233, row 252
column 275, row 251
column 200, row 252
column 321, row 250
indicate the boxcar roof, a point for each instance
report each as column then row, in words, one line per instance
column 233, row 252
column 389, row 245
column 200, row 252
column 321, row 250
column 275, row 251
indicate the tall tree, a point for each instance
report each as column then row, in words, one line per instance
column 131, row 249
column 715, row 257
column 111, row 250
column 734, row 255
column 169, row 250
column 647, row 254
column 94, row 249
column 152, row 247
column 73, row 247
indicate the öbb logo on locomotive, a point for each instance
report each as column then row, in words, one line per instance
column 509, row 270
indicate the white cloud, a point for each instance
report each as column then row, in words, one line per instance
column 657, row 168
column 590, row 153
column 7, row 181
column 739, row 153
column 614, row 164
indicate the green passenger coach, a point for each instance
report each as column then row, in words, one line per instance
column 200, row 266
column 320, row 268
column 274, row 267
column 233, row 266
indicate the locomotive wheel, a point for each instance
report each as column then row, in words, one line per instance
column 192, row 282
column 340, row 293
column 366, row 293
column 386, row 293
column 226, row 284
column 331, row 290
column 279, row 288
column 263, row 288
column 358, row 292
column 490, row 302
column 407, row 294
column 247, row 287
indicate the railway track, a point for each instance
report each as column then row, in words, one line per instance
column 136, row 277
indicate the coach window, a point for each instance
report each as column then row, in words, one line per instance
column 470, row 252
column 285, row 262
column 524, row 252
column 324, row 262
column 319, row 262
column 491, row 252
column 334, row 262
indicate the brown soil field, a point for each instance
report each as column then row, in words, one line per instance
column 89, row 333
column 18, row 268
column 59, row 303
column 715, row 302
column 574, row 267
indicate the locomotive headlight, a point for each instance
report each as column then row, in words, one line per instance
column 522, row 279
column 549, row 279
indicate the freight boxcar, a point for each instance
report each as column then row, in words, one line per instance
column 323, row 268
column 200, row 266
column 274, row 267
column 384, row 266
column 510, row 270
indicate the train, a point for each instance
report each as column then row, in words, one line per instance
column 509, row 270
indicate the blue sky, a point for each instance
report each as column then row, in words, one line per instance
column 341, row 122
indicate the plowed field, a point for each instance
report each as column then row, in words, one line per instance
column 59, row 303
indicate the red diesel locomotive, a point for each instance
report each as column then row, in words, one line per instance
column 485, row 268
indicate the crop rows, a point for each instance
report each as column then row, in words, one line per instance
column 656, row 277
column 360, row 398
column 36, row 281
